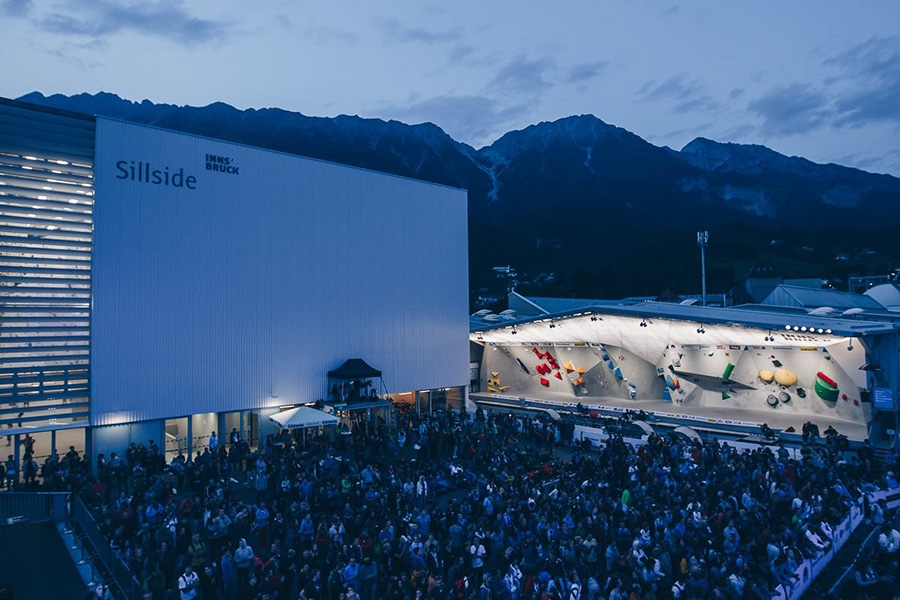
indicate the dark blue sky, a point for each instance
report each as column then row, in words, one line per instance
column 817, row 79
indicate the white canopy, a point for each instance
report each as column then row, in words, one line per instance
column 688, row 432
column 302, row 417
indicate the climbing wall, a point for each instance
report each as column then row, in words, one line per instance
column 578, row 370
column 786, row 379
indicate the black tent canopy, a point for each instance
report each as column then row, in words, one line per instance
column 354, row 368
column 354, row 380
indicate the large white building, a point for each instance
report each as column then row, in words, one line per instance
column 158, row 285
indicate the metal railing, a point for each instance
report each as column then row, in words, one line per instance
column 33, row 507
column 892, row 501
column 179, row 443
column 116, row 572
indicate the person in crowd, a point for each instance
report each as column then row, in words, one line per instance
column 188, row 584
column 12, row 472
column 889, row 540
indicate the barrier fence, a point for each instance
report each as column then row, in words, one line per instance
column 811, row 568
column 118, row 574
column 891, row 499
column 179, row 443
column 33, row 507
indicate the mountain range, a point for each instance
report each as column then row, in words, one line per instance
column 582, row 207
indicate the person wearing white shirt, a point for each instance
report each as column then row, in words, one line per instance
column 737, row 584
column 422, row 491
column 477, row 553
column 889, row 540
column 826, row 530
column 638, row 552
column 815, row 540
column 188, row 584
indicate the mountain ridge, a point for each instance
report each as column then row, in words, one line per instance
column 101, row 103
column 561, row 196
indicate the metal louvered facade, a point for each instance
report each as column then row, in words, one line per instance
column 46, row 239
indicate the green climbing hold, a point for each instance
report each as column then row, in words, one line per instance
column 729, row 368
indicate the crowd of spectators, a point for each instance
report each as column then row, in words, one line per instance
column 484, row 507
column 71, row 472
column 876, row 569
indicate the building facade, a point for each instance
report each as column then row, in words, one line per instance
column 159, row 285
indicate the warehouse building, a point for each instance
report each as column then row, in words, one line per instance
column 159, row 285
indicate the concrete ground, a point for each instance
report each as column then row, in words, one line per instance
column 35, row 563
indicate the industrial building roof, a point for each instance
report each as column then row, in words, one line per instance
column 545, row 306
column 760, row 317
column 791, row 295
column 888, row 295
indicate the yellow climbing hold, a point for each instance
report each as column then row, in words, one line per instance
column 785, row 377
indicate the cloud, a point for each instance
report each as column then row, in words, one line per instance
column 585, row 71
column 671, row 11
column 862, row 163
column 475, row 120
column 738, row 132
column 395, row 31
column 163, row 18
column 324, row 34
column 736, row 93
column 791, row 109
column 73, row 61
column 872, row 70
column 874, row 162
column 434, row 10
column 460, row 53
column 92, row 45
column 69, row 53
column 890, row 162
column 699, row 103
column 862, row 89
column 522, row 76
column 15, row 8
column 469, row 56
column 686, row 95
column 693, row 131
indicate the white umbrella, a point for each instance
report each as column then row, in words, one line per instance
column 302, row 417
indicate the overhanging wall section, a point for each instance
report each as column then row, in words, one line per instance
column 46, row 221
column 247, row 275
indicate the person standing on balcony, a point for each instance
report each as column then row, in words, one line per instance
column 30, row 467
column 12, row 472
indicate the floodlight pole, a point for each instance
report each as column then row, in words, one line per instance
column 703, row 241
